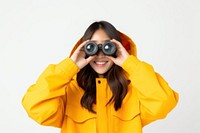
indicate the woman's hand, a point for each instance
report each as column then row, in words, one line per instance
column 78, row 57
column 121, row 53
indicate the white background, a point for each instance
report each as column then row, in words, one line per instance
column 35, row 33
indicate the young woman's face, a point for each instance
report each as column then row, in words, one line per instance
column 100, row 63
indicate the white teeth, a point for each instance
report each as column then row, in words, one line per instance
column 100, row 63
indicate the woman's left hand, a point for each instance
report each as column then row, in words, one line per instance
column 121, row 53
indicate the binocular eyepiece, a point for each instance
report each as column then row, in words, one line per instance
column 108, row 48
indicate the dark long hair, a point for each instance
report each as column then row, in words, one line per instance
column 115, row 76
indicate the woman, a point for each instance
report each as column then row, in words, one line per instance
column 100, row 93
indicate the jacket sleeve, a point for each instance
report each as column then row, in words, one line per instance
column 45, row 100
column 156, row 98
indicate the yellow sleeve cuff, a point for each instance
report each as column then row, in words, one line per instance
column 130, row 64
column 67, row 66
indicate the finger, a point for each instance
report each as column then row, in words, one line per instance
column 90, row 58
column 82, row 54
column 81, row 45
column 117, row 43
column 120, row 47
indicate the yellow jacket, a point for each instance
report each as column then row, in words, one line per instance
column 54, row 100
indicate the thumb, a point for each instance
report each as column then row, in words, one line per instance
column 90, row 58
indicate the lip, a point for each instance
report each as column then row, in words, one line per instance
column 100, row 63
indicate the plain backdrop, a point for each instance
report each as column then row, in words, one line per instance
column 35, row 33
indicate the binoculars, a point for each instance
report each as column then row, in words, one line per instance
column 108, row 48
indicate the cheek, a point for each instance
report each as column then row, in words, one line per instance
column 91, row 62
column 110, row 64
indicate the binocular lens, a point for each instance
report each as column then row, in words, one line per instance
column 108, row 48
column 91, row 48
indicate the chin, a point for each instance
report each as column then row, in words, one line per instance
column 100, row 73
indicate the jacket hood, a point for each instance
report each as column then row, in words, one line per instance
column 126, row 41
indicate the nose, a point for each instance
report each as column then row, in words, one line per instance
column 100, row 53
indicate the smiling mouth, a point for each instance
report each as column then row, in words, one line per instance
column 100, row 62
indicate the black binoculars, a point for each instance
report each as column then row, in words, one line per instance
column 108, row 48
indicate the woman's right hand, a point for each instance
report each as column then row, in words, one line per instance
column 78, row 57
